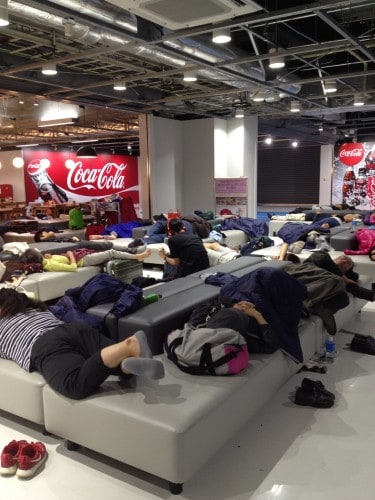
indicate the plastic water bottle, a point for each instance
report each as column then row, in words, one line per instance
column 355, row 224
column 330, row 349
column 149, row 299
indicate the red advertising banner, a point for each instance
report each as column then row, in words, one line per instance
column 353, row 179
column 61, row 176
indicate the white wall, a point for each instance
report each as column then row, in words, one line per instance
column 166, row 164
column 198, row 166
column 12, row 175
column 325, row 179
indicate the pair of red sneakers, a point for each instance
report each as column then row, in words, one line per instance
column 22, row 458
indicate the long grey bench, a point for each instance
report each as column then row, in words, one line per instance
column 183, row 420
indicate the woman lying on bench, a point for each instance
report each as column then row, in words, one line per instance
column 74, row 358
column 81, row 257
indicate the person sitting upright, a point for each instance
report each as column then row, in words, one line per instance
column 187, row 253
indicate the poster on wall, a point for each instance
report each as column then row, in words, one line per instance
column 61, row 177
column 353, row 178
column 231, row 196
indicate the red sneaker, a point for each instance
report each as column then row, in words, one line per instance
column 31, row 457
column 9, row 457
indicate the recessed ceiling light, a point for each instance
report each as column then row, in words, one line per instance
column 275, row 62
column 119, row 85
column 221, row 35
column 49, row 69
column 190, row 76
column 295, row 107
column 330, row 86
column 359, row 100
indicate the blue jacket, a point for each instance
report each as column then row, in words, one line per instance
column 252, row 227
column 99, row 289
column 294, row 231
column 278, row 296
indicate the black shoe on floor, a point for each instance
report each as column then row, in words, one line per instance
column 135, row 243
column 315, row 398
column 308, row 384
column 365, row 344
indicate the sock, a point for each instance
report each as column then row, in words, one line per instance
column 146, row 367
column 143, row 344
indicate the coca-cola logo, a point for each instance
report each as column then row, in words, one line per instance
column 351, row 153
column 108, row 178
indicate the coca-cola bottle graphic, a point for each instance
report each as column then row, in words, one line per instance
column 370, row 171
column 348, row 186
column 47, row 189
column 361, row 183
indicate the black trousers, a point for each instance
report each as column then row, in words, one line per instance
column 68, row 357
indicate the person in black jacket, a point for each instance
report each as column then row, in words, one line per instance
column 187, row 253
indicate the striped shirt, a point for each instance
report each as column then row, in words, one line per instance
column 19, row 332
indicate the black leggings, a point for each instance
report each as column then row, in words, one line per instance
column 68, row 357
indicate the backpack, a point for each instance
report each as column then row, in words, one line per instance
column 75, row 219
column 256, row 243
column 207, row 351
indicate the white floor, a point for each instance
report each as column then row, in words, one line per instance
column 286, row 452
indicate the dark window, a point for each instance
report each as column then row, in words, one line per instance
column 289, row 175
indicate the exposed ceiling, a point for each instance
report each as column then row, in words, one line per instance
column 151, row 43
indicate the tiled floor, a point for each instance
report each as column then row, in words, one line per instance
column 286, row 452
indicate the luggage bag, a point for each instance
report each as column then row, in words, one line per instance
column 124, row 270
column 23, row 226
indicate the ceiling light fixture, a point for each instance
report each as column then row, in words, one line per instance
column 239, row 113
column 258, row 97
column 18, row 162
column 4, row 19
column 330, row 86
column 268, row 140
column 275, row 61
column 49, row 68
column 221, row 35
column 359, row 100
column 119, row 85
column 295, row 107
column 86, row 152
column 320, row 127
column 57, row 122
column 190, row 76
column 295, row 143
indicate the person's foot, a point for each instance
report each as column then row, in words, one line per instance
column 144, row 367
column 145, row 351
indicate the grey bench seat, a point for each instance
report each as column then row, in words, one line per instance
column 170, row 428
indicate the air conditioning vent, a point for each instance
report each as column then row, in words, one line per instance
column 178, row 14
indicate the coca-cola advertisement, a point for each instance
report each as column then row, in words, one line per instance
column 61, row 177
column 353, row 180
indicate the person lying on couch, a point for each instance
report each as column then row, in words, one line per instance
column 44, row 234
column 81, row 257
column 74, row 358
